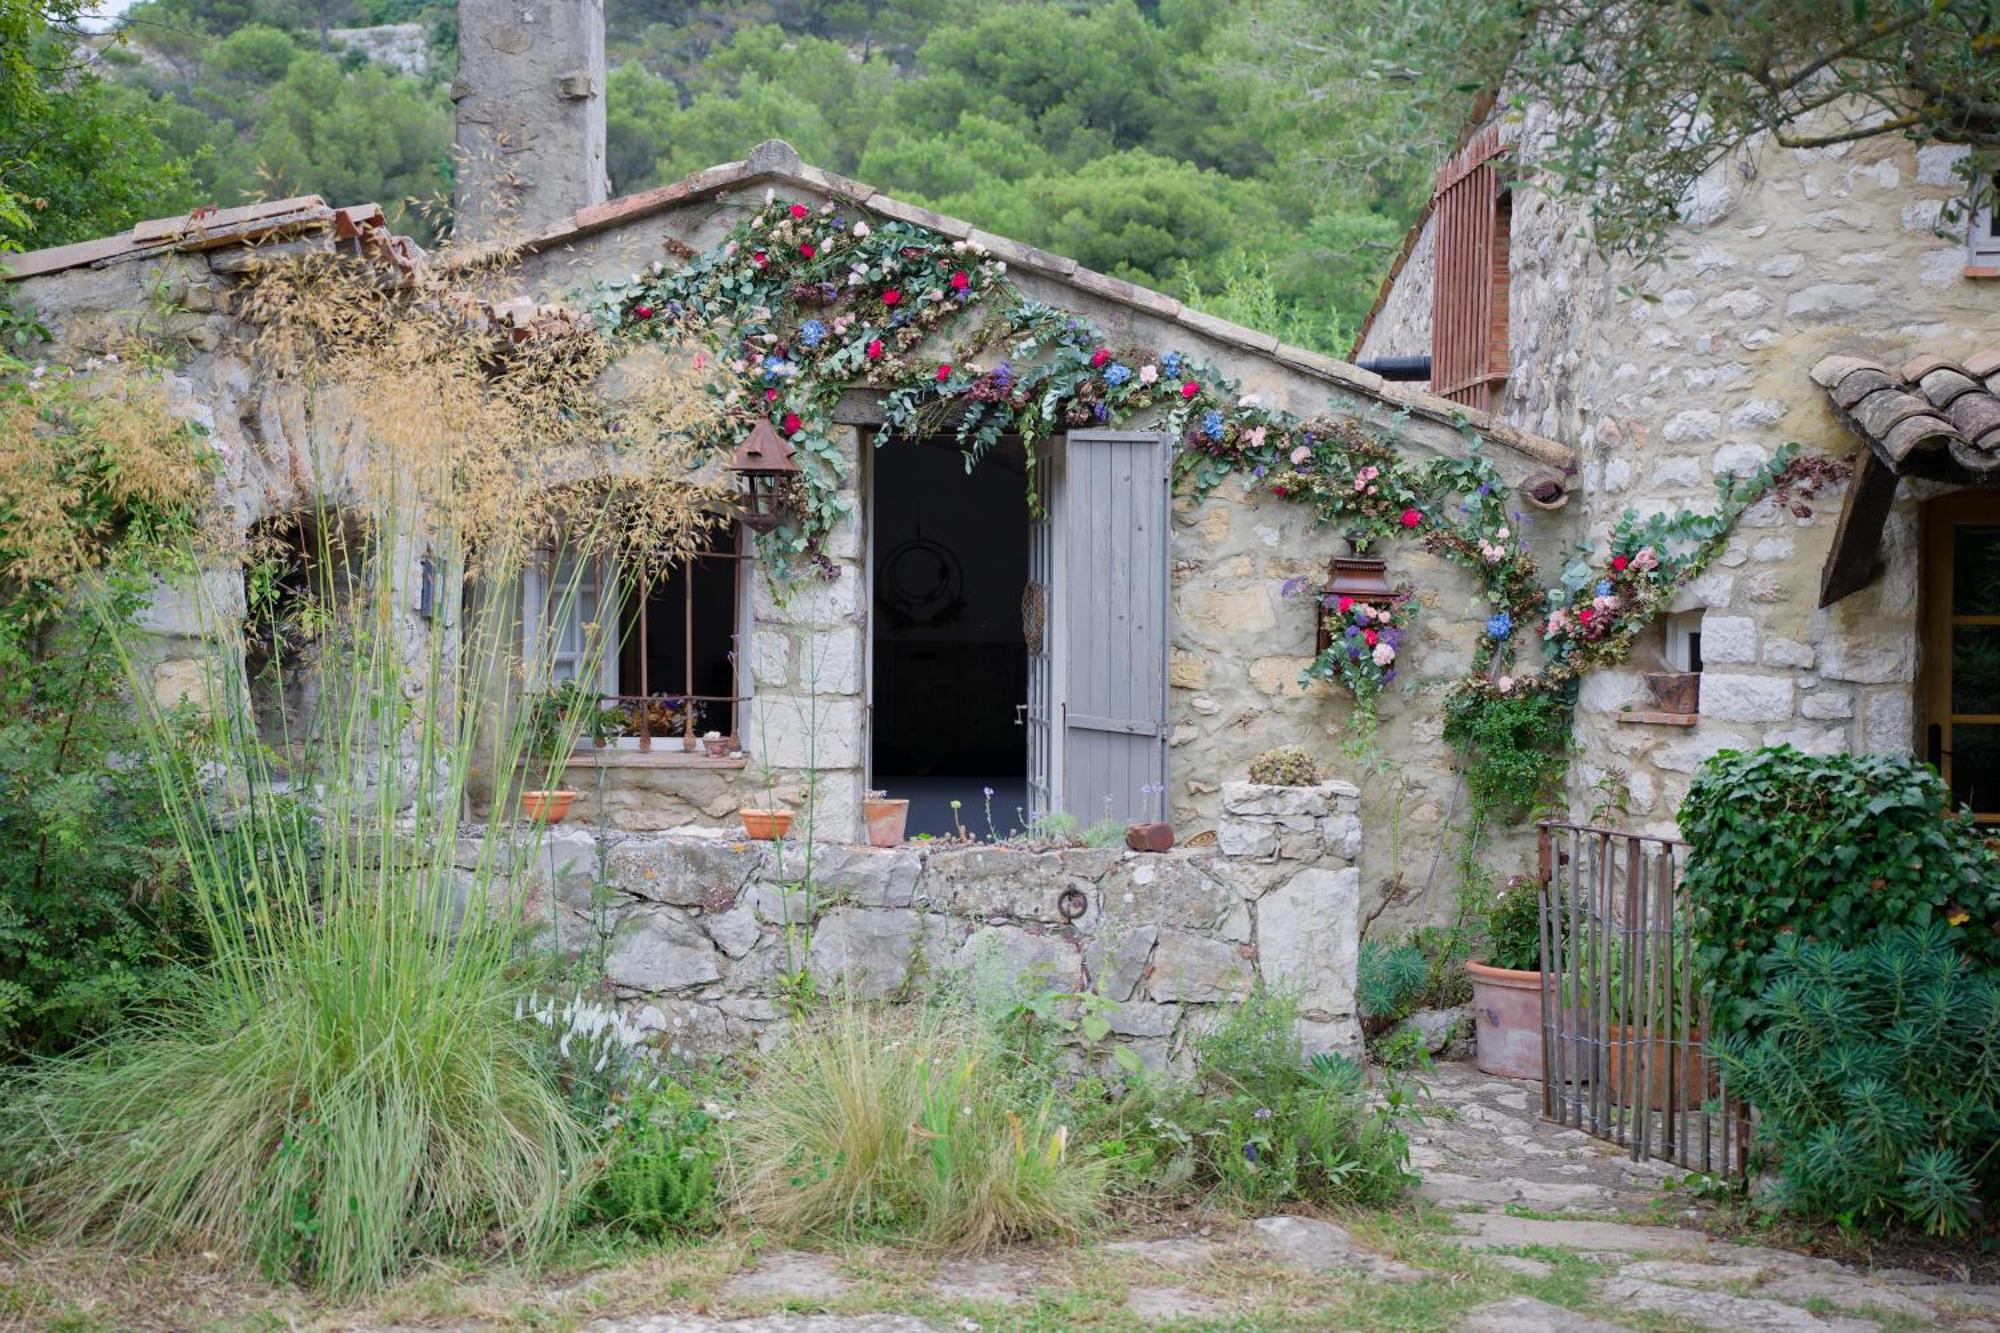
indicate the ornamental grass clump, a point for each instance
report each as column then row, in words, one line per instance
column 344, row 1086
column 867, row 1122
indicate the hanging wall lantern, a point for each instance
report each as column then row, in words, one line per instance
column 764, row 461
column 1362, row 577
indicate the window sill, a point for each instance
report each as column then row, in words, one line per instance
column 1654, row 718
column 658, row 758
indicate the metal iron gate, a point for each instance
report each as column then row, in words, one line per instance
column 1623, row 1017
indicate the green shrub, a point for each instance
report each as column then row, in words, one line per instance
column 1833, row 848
column 1513, row 748
column 1286, row 766
column 868, row 1122
column 1389, row 982
column 92, row 884
column 1875, row 1072
column 1514, row 927
column 1261, row 1123
column 661, row 1164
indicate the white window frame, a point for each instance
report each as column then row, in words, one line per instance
column 1682, row 629
column 1982, row 241
column 546, row 663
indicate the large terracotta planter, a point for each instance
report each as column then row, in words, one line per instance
column 1507, row 1020
column 766, row 825
column 887, row 816
column 547, row 806
column 1690, row 1079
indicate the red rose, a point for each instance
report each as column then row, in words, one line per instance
column 944, row 372
column 1585, row 614
column 1190, row 389
column 799, row 210
column 1099, row 357
column 642, row 312
column 1368, row 636
column 1619, row 562
column 1411, row 518
column 875, row 350
column 758, row 259
column 959, row 282
column 807, row 250
column 770, row 395
column 792, row 423
column 891, row 296
column 1346, row 605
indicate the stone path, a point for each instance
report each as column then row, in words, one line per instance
column 1520, row 1196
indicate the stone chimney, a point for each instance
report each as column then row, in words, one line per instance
column 530, row 95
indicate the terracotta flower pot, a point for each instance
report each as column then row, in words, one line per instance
column 547, row 806
column 887, row 817
column 717, row 747
column 1687, row 1066
column 1507, row 1020
column 766, row 825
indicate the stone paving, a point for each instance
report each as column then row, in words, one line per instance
column 1482, row 1150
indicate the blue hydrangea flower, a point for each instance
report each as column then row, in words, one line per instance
column 1171, row 363
column 1211, row 424
column 1499, row 625
column 812, row 333
column 1604, row 587
column 1116, row 374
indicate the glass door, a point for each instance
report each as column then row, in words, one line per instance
column 1963, row 661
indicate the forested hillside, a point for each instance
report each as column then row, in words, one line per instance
column 1159, row 141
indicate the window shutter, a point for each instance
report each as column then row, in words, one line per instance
column 1470, row 217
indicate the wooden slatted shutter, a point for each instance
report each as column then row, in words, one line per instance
column 1471, row 216
column 1113, row 596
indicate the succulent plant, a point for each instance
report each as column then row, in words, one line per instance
column 1286, row 766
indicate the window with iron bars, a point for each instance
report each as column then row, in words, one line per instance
column 665, row 647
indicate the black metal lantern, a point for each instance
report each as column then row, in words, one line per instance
column 764, row 461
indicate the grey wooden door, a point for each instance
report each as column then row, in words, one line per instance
column 1112, row 624
column 1037, row 617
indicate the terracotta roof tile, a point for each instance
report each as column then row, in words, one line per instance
column 1933, row 415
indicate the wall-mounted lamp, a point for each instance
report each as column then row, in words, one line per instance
column 764, row 461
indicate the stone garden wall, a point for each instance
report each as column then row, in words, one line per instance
column 702, row 934
column 1666, row 378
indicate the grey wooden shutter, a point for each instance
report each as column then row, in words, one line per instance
column 1037, row 627
column 1113, row 608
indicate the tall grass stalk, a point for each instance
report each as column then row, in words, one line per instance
column 345, row 1086
column 871, row 1121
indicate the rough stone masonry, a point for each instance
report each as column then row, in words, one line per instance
column 702, row 933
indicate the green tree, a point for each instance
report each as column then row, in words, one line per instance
column 1647, row 95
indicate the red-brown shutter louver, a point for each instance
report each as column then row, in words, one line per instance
column 1469, row 217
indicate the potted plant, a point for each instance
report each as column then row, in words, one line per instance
column 886, row 818
column 1673, row 1058
column 550, row 735
column 716, row 745
column 1507, row 985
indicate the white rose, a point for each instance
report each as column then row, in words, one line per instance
column 1384, row 654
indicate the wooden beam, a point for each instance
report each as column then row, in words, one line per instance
column 1850, row 565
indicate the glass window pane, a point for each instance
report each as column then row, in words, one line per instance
column 1975, row 765
column 1975, row 569
column 1975, row 669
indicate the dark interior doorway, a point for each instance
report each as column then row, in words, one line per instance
column 950, row 661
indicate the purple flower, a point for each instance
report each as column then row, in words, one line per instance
column 1292, row 586
column 1102, row 411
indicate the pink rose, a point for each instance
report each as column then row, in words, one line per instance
column 1190, row 389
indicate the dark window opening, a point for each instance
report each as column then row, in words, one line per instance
column 677, row 645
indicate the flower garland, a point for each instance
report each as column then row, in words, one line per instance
column 1365, row 638
column 802, row 303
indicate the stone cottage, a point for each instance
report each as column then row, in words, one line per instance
column 1809, row 295
column 1119, row 652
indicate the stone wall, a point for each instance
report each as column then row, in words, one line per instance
column 1785, row 256
column 701, row 934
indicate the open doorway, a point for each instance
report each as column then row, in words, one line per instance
column 950, row 660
